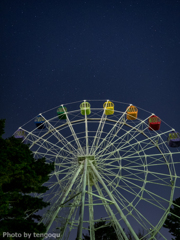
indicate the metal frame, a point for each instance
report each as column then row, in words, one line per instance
column 117, row 153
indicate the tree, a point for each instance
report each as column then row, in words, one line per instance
column 107, row 232
column 141, row 233
column 173, row 220
column 103, row 232
column 20, row 175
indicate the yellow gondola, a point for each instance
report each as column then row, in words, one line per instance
column 109, row 108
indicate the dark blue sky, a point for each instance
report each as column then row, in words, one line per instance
column 55, row 52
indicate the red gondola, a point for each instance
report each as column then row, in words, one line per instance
column 154, row 123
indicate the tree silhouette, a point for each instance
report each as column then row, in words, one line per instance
column 20, row 175
column 103, row 232
column 107, row 232
column 173, row 220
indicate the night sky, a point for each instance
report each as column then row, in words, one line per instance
column 56, row 52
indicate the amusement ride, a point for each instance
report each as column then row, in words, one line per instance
column 113, row 162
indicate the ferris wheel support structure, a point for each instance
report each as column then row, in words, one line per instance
column 64, row 198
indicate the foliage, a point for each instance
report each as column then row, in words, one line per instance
column 140, row 235
column 20, row 175
column 108, row 233
column 173, row 220
column 104, row 232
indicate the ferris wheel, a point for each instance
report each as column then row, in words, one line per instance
column 113, row 161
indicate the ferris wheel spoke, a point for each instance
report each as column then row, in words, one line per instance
column 107, row 176
column 113, row 157
column 157, row 145
column 135, row 154
column 110, row 170
column 134, row 193
column 98, row 133
column 126, row 135
column 131, row 190
column 118, row 196
column 39, row 141
column 137, row 195
column 151, row 172
column 51, row 157
column 153, row 158
column 133, row 207
column 143, row 150
column 59, row 136
column 138, row 145
column 138, row 160
column 106, row 152
column 43, row 143
column 116, row 129
column 129, row 148
column 147, row 191
column 86, row 131
column 64, row 164
column 50, row 184
column 140, row 218
column 59, row 185
column 150, row 163
column 150, row 155
column 148, row 140
column 133, row 174
column 113, row 132
column 64, row 159
column 127, row 142
column 125, row 200
column 73, row 132
column 53, row 197
column 151, row 201
column 164, row 181
column 155, row 200
column 64, row 172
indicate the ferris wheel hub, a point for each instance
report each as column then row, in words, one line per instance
column 88, row 157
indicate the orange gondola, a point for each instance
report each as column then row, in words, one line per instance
column 132, row 112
